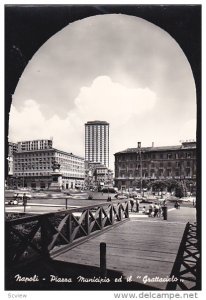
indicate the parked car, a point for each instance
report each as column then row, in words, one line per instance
column 122, row 196
column 13, row 202
column 108, row 190
column 20, row 195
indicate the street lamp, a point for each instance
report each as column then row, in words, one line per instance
column 23, row 176
column 190, row 189
column 140, row 162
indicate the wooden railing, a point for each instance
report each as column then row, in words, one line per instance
column 32, row 237
column 187, row 259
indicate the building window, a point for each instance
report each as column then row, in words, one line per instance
column 169, row 156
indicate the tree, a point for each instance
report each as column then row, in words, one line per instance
column 172, row 184
column 179, row 190
column 137, row 183
column 158, row 185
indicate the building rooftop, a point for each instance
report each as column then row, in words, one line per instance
column 189, row 145
column 50, row 150
column 68, row 153
column 97, row 122
column 34, row 140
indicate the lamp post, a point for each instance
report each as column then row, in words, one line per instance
column 108, row 197
column 140, row 163
column 23, row 176
column 190, row 189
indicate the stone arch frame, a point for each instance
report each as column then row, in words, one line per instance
column 28, row 27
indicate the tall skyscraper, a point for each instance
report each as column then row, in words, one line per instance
column 97, row 142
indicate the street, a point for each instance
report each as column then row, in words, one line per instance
column 45, row 202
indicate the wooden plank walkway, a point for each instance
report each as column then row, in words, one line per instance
column 140, row 247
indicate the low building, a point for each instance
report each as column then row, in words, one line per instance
column 152, row 163
column 97, row 175
column 34, row 168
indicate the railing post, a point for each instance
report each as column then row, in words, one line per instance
column 69, row 228
column 103, row 262
column 44, row 237
column 111, row 214
column 87, row 222
column 100, row 217
column 127, row 209
column 120, row 211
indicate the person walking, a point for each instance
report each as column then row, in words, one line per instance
column 156, row 210
column 24, row 201
column 137, row 205
column 151, row 207
column 132, row 204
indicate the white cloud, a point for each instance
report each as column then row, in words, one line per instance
column 30, row 123
column 112, row 101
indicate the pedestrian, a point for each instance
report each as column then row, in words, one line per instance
column 144, row 210
column 137, row 205
column 156, row 210
column 194, row 203
column 177, row 205
column 132, row 204
column 24, row 199
column 160, row 213
column 151, row 207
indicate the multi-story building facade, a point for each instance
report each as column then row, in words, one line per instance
column 34, row 168
column 167, row 162
column 34, row 145
column 97, row 142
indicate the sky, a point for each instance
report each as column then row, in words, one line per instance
column 115, row 68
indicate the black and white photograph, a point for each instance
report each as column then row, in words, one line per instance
column 102, row 185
